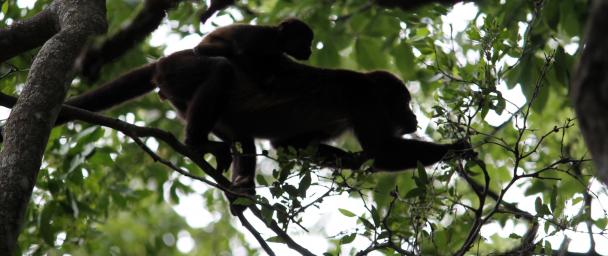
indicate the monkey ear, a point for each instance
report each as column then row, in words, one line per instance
column 289, row 22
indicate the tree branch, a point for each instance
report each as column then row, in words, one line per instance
column 277, row 230
column 256, row 234
column 25, row 35
column 145, row 22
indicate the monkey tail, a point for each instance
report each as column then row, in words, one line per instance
column 131, row 85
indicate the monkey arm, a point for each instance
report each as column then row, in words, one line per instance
column 326, row 155
column 333, row 157
column 402, row 154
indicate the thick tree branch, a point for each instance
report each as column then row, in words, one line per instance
column 26, row 35
column 29, row 124
column 145, row 22
column 590, row 88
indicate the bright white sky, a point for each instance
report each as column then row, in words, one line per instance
column 331, row 222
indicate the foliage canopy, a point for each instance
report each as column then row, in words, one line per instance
column 496, row 72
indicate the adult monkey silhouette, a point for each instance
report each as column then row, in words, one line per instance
column 319, row 105
column 245, row 45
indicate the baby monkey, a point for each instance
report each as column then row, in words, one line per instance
column 292, row 36
column 254, row 49
column 257, row 49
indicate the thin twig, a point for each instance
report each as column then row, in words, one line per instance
column 272, row 225
column 256, row 234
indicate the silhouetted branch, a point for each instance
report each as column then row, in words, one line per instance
column 27, row 34
column 256, row 234
column 281, row 233
column 145, row 22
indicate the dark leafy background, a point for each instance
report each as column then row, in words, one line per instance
column 99, row 194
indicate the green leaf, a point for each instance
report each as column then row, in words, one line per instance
column 541, row 209
column 415, row 192
column 382, row 25
column 47, row 231
column 422, row 173
column 551, row 13
column 243, row 201
column 366, row 223
column 5, row 7
column 473, row 34
column 553, row 202
column 304, row 184
column 404, row 60
column 327, row 56
column 261, row 180
column 538, row 205
column 514, row 236
column 601, row 223
column 577, row 200
column 375, row 216
column 368, row 53
column 267, row 213
column 276, row 239
column 347, row 239
column 346, row 213
column 548, row 248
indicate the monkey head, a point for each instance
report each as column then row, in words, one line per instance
column 295, row 38
column 393, row 93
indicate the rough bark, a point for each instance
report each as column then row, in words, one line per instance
column 590, row 88
column 29, row 124
column 26, row 35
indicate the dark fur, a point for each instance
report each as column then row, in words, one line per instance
column 321, row 104
column 257, row 49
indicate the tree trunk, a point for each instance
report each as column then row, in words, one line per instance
column 29, row 124
column 590, row 88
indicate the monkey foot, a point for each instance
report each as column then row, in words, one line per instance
column 221, row 151
column 241, row 185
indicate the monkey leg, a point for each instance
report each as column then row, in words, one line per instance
column 399, row 154
column 204, row 109
column 243, row 173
